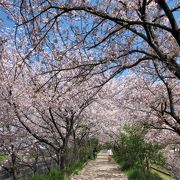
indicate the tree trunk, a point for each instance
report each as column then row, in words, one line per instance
column 147, row 169
column 62, row 161
column 75, row 147
column 14, row 173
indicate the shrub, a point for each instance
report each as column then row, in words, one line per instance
column 2, row 157
column 132, row 151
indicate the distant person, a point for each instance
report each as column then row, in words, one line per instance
column 110, row 155
column 94, row 153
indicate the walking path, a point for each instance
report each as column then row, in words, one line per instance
column 100, row 169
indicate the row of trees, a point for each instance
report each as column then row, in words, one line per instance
column 64, row 112
column 99, row 41
column 56, row 67
column 34, row 120
column 60, row 113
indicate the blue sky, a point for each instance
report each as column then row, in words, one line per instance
column 6, row 20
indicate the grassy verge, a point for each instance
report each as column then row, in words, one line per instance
column 160, row 168
column 52, row 175
column 135, row 173
column 161, row 174
column 77, row 166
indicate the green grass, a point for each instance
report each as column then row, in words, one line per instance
column 160, row 168
column 134, row 173
column 77, row 166
column 163, row 176
column 54, row 174
column 137, row 174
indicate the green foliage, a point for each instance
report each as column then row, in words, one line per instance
column 134, row 153
column 54, row 174
column 94, row 143
column 107, row 145
column 2, row 157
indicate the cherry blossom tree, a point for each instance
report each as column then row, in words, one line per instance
column 151, row 99
column 55, row 83
column 15, row 141
column 110, row 35
column 135, row 31
column 37, row 112
column 54, row 113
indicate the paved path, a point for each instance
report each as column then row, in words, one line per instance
column 100, row 169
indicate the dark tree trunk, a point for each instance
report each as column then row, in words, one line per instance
column 14, row 172
column 62, row 162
